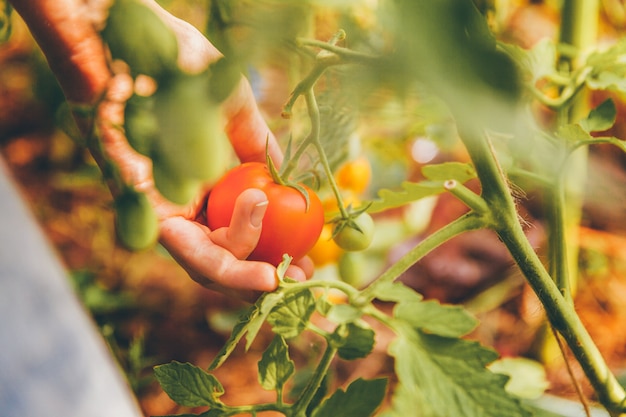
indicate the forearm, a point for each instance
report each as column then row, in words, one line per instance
column 66, row 31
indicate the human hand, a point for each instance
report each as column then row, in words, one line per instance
column 67, row 31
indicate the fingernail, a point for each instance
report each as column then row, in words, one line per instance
column 256, row 217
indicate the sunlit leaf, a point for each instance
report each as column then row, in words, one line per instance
column 434, row 318
column 292, row 313
column 395, row 292
column 237, row 333
column 343, row 313
column 442, row 377
column 537, row 62
column 266, row 305
column 608, row 70
column 275, row 366
column 361, row 398
column 355, row 341
column 458, row 171
column 601, row 118
column 527, row 377
column 409, row 193
column 188, row 384
column 412, row 191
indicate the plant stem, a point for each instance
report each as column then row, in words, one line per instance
column 579, row 28
column 300, row 406
column 469, row 221
column 560, row 313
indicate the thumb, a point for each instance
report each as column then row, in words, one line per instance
column 242, row 235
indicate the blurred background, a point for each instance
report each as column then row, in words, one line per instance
column 149, row 311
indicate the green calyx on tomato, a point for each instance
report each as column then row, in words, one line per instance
column 291, row 225
column 354, row 233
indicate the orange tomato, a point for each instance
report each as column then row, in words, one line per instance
column 354, row 175
column 325, row 250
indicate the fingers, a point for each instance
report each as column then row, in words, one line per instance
column 65, row 32
column 208, row 263
column 242, row 235
column 246, row 128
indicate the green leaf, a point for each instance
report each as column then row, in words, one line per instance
column 412, row 191
column 536, row 63
column 434, row 318
column 275, row 366
column 291, row 314
column 458, row 171
column 247, row 323
column 5, row 20
column 361, row 398
column 441, row 377
column 343, row 313
column 601, row 118
column 210, row 413
column 573, row 133
column 394, row 292
column 281, row 269
column 323, row 305
column 266, row 304
column 409, row 192
column 188, row 385
column 608, row 71
column 353, row 341
column 527, row 377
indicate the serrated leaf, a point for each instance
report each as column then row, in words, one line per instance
column 409, row 192
column 291, row 314
column 412, row 191
column 394, row 292
column 343, row 313
column 441, row 377
column 266, row 304
column 573, row 133
column 355, row 341
column 275, row 366
column 361, row 398
column 536, row 63
column 607, row 80
column 214, row 412
column 188, row 385
column 458, row 171
column 608, row 70
column 239, row 330
column 281, row 269
column 601, row 118
column 527, row 377
column 323, row 305
column 434, row 318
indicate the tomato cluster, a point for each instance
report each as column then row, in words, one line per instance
column 291, row 225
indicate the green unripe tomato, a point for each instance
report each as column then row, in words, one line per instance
column 177, row 189
column 136, row 223
column 356, row 234
column 140, row 124
column 351, row 268
column 137, row 36
column 191, row 142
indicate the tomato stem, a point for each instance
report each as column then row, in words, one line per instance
column 467, row 222
column 301, row 404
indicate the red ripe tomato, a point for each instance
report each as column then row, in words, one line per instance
column 288, row 227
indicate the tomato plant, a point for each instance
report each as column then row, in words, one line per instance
column 291, row 225
column 503, row 151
